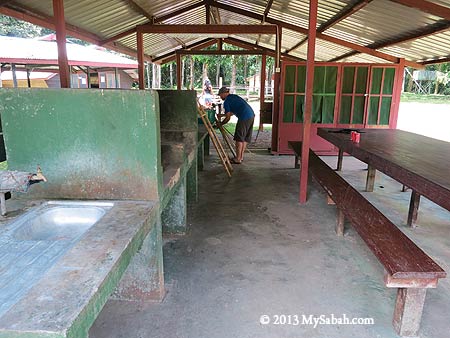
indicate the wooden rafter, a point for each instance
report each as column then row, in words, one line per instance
column 268, row 7
column 138, row 9
column 439, row 27
column 432, row 62
column 168, row 57
column 359, row 48
column 266, row 13
column 207, row 29
column 268, row 51
column 152, row 20
column 219, row 52
column 347, row 11
column 427, row 7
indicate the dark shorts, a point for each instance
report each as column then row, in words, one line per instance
column 243, row 132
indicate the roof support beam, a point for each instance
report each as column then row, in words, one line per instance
column 208, row 14
column 219, row 52
column 140, row 57
column 307, row 117
column 138, row 9
column 439, row 27
column 60, row 23
column 268, row 7
column 207, row 29
column 178, row 12
column 427, row 7
column 359, row 48
column 432, row 62
column 269, row 52
column 171, row 55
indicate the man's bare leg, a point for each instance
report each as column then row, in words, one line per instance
column 239, row 151
column 243, row 150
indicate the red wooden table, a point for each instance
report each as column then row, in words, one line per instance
column 420, row 163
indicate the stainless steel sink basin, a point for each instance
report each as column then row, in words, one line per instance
column 58, row 223
column 33, row 242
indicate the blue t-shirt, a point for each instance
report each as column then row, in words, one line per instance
column 238, row 106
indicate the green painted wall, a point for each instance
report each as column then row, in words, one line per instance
column 91, row 144
column 178, row 110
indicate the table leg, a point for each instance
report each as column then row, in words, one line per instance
column 413, row 208
column 370, row 182
column 339, row 162
column 340, row 223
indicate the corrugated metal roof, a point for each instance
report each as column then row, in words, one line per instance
column 381, row 23
column 18, row 50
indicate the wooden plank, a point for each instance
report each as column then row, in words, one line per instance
column 416, row 161
column 395, row 251
column 207, row 29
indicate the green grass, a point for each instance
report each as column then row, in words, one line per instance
column 3, row 165
column 411, row 97
column 231, row 126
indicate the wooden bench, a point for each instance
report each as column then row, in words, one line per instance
column 407, row 267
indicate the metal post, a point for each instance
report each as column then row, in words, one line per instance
column 116, row 77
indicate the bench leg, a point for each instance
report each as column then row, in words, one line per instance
column 340, row 158
column 340, row 223
column 408, row 311
column 370, row 182
column 297, row 163
column 413, row 208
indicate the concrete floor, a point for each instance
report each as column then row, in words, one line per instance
column 252, row 250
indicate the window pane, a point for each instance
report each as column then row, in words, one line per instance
column 388, row 85
column 361, row 80
column 301, row 79
column 346, row 106
column 300, row 108
column 319, row 80
column 347, row 83
column 377, row 74
column 328, row 109
column 330, row 81
column 373, row 110
column 358, row 110
column 289, row 81
column 385, row 110
column 317, row 109
column 288, row 110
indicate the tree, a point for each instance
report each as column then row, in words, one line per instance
column 16, row 28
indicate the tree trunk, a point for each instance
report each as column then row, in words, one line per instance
column 171, row 75
column 233, row 75
column 182, row 73
column 192, row 73
column 245, row 70
column 205, row 72
column 156, row 76
column 217, row 74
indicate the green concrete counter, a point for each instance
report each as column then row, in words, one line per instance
column 68, row 298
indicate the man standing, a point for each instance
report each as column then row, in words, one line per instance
column 235, row 105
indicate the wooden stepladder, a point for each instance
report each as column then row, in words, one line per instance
column 226, row 137
column 217, row 144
